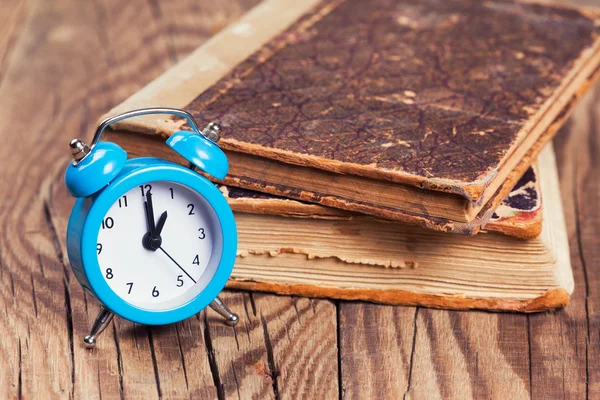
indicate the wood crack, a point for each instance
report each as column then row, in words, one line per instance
column 412, row 353
column 69, row 317
column 530, row 359
column 214, row 368
column 270, row 358
column 20, row 377
column 154, row 363
column 12, row 285
column 295, row 304
column 253, row 304
column 55, row 237
column 35, row 307
column 235, row 378
column 182, row 354
column 338, row 336
column 119, row 359
column 41, row 263
column 585, row 275
column 98, row 379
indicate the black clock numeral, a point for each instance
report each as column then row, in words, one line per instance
column 145, row 189
column 172, row 193
column 130, row 284
column 123, row 203
column 99, row 248
column 109, row 273
column 196, row 260
column 179, row 280
column 201, row 235
column 155, row 292
column 191, row 207
column 108, row 223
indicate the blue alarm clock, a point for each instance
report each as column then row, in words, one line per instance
column 155, row 242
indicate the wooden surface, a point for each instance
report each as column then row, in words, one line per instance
column 65, row 62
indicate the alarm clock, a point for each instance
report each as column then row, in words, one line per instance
column 154, row 241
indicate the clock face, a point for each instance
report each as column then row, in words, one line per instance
column 159, row 245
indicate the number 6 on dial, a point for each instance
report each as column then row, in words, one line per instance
column 137, row 225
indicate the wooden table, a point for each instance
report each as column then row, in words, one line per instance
column 65, row 62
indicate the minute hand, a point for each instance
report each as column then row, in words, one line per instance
column 176, row 263
column 149, row 214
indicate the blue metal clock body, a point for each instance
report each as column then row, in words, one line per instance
column 88, row 213
column 102, row 175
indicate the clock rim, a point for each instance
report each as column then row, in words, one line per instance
column 141, row 171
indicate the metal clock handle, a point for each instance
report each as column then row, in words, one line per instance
column 149, row 111
column 80, row 149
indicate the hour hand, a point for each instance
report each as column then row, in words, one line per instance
column 160, row 224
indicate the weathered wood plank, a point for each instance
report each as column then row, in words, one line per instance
column 189, row 24
column 565, row 345
column 11, row 18
column 421, row 353
column 301, row 339
column 459, row 355
column 239, row 354
column 36, row 340
column 376, row 349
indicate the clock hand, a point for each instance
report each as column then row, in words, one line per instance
column 176, row 263
column 150, row 213
column 151, row 239
column 160, row 224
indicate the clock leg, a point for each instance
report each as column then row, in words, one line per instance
column 231, row 319
column 102, row 320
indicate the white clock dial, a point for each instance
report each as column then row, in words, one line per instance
column 166, row 273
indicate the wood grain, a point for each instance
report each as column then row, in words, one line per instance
column 63, row 64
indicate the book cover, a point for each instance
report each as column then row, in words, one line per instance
column 419, row 112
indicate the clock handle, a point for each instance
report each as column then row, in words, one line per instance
column 80, row 150
column 148, row 111
column 102, row 320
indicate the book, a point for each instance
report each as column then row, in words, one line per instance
column 518, row 215
column 424, row 112
column 290, row 248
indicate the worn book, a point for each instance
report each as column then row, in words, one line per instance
column 293, row 248
column 518, row 215
column 426, row 112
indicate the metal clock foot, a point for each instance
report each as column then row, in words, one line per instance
column 231, row 319
column 102, row 320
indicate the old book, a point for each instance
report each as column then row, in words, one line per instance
column 425, row 112
column 518, row 215
column 290, row 248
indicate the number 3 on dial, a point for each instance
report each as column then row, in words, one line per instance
column 201, row 234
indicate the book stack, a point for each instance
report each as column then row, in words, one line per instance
column 389, row 151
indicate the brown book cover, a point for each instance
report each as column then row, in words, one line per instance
column 425, row 112
column 519, row 214
column 282, row 250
